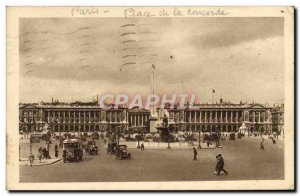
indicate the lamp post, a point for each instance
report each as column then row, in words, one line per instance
column 119, row 127
column 199, row 140
column 138, row 138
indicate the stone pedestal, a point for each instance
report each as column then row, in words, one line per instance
column 152, row 124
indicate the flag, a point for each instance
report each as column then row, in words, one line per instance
column 153, row 67
column 214, row 91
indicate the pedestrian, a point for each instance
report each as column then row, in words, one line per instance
column 207, row 144
column 31, row 158
column 195, row 153
column 221, row 165
column 56, row 151
column 262, row 144
column 217, row 165
column 274, row 141
column 142, row 147
column 40, row 156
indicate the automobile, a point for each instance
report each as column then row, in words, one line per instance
column 130, row 138
column 232, row 136
column 91, row 148
column 95, row 135
column 148, row 138
column 111, row 148
column 191, row 138
column 40, row 135
column 239, row 135
column 211, row 137
column 122, row 152
column 72, row 150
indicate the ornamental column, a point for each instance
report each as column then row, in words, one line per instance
column 200, row 117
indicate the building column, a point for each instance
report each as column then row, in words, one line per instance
column 231, row 114
column 48, row 116
column 259, row 116
column 200, row 116
column 205, row 117
column 142, row 119
column 221, row 116
column 89, row 117
column 69, row 116
column 254, row 116
column 226, row 120
column 134, row 117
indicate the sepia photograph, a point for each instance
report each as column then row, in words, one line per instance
column 150, row 98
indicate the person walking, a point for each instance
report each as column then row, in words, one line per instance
column 262, row 144
column 31, row 159
column 221, row 165
column 217, row 165
column 195, row 154
column 56, row 151
column 142, row 147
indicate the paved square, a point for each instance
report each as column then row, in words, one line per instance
column 243, row 160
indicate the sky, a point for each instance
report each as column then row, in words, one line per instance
column 71, row 59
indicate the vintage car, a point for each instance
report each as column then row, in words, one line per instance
column 95, row 135
column 130, row 138
column 148, row 138
column 72, row 150
column 232, row 136
column 239, row 135
column 91, row 148
column 122, row 152
column 111, row 148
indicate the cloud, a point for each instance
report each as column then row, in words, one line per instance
column 190, row 54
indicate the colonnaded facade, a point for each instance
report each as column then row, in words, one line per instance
column 225, row 117
column 91, row 117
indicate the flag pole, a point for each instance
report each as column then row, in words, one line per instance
column 213, row 96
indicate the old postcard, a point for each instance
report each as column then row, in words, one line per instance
column 150, row 98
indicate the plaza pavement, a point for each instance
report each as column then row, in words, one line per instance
column 243, row 160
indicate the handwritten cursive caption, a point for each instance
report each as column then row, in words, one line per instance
column 145, row 13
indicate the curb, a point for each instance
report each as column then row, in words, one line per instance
column 44, row 163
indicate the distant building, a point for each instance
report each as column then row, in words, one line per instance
column 222, row 117
column 90, row 117
column 278, row 119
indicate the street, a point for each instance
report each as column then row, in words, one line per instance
column 243, row 160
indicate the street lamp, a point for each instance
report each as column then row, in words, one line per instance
column 199, row 139
column 138, row 138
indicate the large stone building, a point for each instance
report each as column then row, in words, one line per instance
column 278, row 119
column 90, row 117
column 221, row 117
